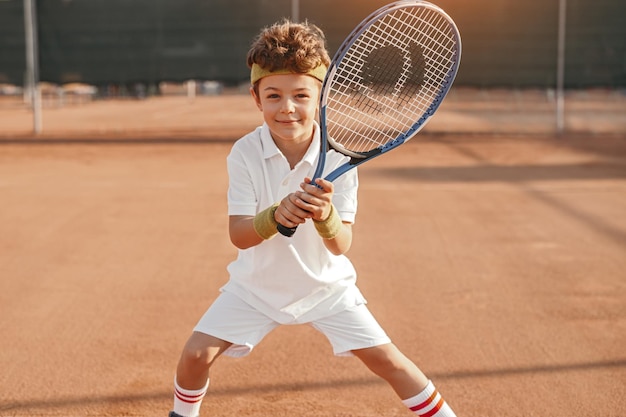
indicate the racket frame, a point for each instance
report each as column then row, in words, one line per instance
column 357, row 158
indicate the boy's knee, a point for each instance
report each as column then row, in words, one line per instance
column 196, row 355
column 201, row 350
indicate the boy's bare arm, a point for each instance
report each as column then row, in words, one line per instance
column 242, row 233
column 341, row 243
column 248, row 231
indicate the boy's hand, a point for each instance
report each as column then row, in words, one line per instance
column 316, row 199
column 313, row 202
column 289, row 213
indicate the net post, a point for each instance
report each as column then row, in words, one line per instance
column 560, row 75
column 32, row 62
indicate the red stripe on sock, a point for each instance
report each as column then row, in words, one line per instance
column 191, row 399
column 435, row 409
column 425, row 403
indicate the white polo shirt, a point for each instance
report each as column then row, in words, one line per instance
column 296, row 279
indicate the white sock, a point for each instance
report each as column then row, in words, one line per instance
column 187, row 402
column 429, row 403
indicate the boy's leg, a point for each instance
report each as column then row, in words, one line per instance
column 198, row 355
column 356, row 331
column 229, row 326
column 390, row 364
column 416, row 391
column 192, row 372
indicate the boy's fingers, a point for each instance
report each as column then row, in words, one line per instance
column 325, row 185
column 289, row 213
column 319, row 185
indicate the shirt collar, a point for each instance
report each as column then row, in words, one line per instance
column 270, row 149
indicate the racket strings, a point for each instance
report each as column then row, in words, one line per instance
column 390, row 77
column 427, row 29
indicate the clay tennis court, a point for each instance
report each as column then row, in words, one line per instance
column 497, row 262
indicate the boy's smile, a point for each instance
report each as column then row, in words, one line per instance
column 289, row 105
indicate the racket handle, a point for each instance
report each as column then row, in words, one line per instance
column 286, row 231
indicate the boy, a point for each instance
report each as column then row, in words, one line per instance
column 306, row 278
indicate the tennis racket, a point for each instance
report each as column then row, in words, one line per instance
column 385, row 82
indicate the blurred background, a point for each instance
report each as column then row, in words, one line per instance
column 542, row 60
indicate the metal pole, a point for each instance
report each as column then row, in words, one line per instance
column 560, row 69
column 32, row 63
column 295, row 10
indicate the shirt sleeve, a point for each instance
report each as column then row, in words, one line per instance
column 241, row 193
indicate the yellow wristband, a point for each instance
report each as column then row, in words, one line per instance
column 330, row 227
column 264, row 222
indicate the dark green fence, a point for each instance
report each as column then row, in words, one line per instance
column 506, row 43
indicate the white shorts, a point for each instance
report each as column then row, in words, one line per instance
column 231, row 319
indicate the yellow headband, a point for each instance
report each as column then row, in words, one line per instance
column 257, row 72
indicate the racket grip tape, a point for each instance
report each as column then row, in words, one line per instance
column 286, row 231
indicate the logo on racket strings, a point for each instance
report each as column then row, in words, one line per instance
column 390, row 73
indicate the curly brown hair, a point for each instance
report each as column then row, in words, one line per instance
column 297, row 47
